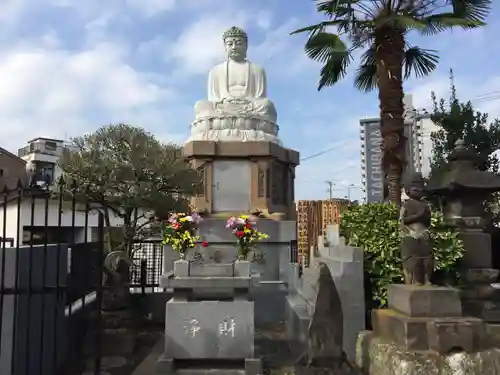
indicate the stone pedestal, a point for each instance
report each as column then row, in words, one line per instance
column 479, row 297
column 208, row 333
column 428, row 318
column 421, row 332
column 243, row 177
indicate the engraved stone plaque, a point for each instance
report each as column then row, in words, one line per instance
column 209, row 329
column 231, row 190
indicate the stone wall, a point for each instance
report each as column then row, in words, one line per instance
column 346, row 266
column 271, row 260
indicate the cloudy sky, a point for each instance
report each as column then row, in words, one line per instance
column 67, row 67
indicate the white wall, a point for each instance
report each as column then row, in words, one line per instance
column 427, row 127
column 52, row 220
column 11, row 228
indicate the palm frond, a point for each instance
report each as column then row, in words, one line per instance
column 437, row 23
column 319, row 27
column 334, row 70
column 324, row 46
column 419, row 62
column 336, row 8
column 366, row 74
column 475, row 10
column 400, row 21
column 331, row 51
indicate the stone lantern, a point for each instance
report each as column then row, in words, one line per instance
column 464, row 189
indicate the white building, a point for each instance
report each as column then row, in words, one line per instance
column 29, row 218
column 418, row 149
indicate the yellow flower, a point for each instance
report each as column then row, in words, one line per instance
column 244, row 217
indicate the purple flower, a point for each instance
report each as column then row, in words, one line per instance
column 196, row 217
column 173, row 218
column 231, row 222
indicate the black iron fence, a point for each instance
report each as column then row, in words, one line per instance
column 51, row 281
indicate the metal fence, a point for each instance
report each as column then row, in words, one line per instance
column 51, row 281
column 147, row 266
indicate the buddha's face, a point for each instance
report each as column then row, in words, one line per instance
column 236, row 48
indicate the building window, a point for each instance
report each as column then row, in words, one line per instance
column 45, row 172
column 50, row 146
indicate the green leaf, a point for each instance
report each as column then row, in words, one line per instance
column 366, row 75
column 420, row 62
column 374, row 227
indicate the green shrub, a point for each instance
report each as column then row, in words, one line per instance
column 375, row 228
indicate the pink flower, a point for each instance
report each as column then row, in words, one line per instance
column 231, row 222
column 173, row 218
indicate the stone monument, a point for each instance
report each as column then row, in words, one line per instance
column 424, row 326
column 234, row 142
column 465, row 189
column 204, row 333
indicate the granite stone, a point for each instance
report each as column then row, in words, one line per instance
column 441, row 335
column 424, row 301
column 209, row 330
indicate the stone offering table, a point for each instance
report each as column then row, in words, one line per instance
column 424, row 332
column 204, row 331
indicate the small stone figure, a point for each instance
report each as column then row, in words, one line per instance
column 416, row 245
column 116, row 294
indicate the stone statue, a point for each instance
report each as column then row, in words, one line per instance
column 416, row 245
column 325, row 354
column 237, row 108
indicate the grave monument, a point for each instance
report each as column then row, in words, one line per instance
column 465, row 189
column 243, row 169
column 204, row 332
column 424, row 330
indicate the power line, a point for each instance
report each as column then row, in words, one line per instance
column 326, row 151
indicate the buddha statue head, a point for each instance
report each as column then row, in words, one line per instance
column 235, row 43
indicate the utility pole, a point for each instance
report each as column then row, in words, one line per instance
column 331, row 185
column 349, row 191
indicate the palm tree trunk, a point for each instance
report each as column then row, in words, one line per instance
column 390, row 53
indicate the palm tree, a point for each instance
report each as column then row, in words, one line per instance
column 380, row 28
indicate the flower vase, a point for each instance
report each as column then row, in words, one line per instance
column 181, row 268
column 242, row 268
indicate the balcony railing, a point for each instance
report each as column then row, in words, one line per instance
column 37, row 148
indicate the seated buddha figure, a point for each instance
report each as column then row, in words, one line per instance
column 237, row 108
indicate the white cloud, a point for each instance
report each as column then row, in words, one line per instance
column 57, row 92
column 151, row 8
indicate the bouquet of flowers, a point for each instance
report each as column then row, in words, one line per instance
column 246, row 233
column 180, row 232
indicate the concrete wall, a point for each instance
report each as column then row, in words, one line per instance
column 346, row 266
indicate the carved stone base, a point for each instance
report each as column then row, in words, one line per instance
column 244, row 177
column 441, row 335
column 234, row 129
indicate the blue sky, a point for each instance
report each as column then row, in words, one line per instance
column 67, row 67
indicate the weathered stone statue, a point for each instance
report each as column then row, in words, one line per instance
column 325, row 354
column 116, row 294
column 237, row 108
column 416, row 245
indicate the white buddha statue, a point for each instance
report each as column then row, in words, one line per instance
column 237, row 108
